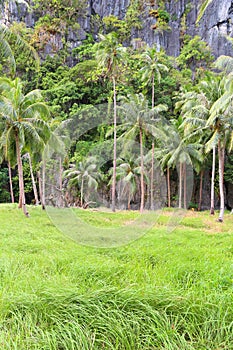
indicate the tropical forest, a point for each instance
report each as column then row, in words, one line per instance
column 116, row 175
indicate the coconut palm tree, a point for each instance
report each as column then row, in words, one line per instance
column 110, row 57
column 128, row 173
column 83, row 174
column 195, row 108
column 179, row 151
column 138, row 121
column 7, row 37
column 21, row 124
column 151, row 72
column 221, row 122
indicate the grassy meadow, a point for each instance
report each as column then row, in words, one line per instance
column 165, row 290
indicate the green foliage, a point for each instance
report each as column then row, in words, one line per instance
column 65, row 10
column 4, row 186
column 85, row 50
column 195, row 53
column 228, row 174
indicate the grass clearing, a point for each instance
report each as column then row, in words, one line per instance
column 163, row 291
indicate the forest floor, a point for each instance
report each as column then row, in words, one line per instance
column 168, row 289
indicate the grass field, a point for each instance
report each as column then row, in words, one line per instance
column 170, row 291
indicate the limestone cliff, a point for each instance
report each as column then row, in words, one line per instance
column 214, row 27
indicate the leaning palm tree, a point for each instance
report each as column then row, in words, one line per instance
column 21, row 124
column 110, row 57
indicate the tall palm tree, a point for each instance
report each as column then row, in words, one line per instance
column 139, row 121
column 110, row 57
column 151, row 72
column 152, row 69
column 195, row 108
column 21, row 124
column 180, row 151
column 221, row 122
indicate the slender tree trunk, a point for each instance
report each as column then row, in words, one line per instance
column 33, row 180
column 114, row 147
column 40, row 185
column 153, row 148
column 82, row 183
column 142, row 172
column 221, row 154
column 180, row 186
column 22, row 202
column 152, row 177
column 60, row 181
column 129, row 198
column 212, row 182
column 185, row 185
column 168, row 188
column 10, row 180
column 41, row 178
column 200, row 191
column 153, row 92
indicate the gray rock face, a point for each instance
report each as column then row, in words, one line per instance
column 215, row 25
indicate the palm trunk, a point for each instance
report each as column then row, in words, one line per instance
column 10, row 180
column 114, row 147
column 82, row 183
column 129, row 199
column 22, row 202
column 212, row 182
column 142, row 172
column 33, row 180
column 40, row 183
column 200, row 191
column 41, row 179
column 168, row 188
column 153, row 92
column 152, row 177
column 221, row 154
column 185, row 185
column 60, row 182
column 153, row 146
column 180, row 187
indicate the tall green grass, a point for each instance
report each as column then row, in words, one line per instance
column 170, row 291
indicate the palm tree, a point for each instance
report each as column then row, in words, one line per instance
column 151, row 72
column 110, row 55
column 195, row 108
column 83, row 174
column 221, row 122
column 138, row 121
column 128, row 173
column 7, row 36
column 179, row 150
column 21, row 124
